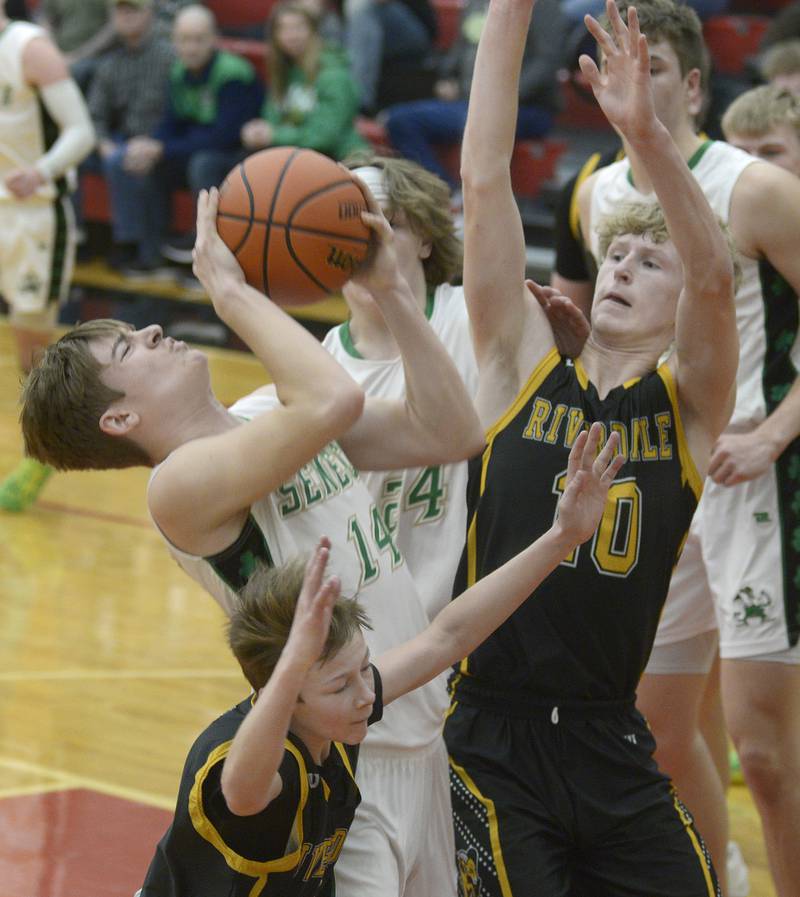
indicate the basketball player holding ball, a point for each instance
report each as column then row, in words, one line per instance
column 263, row 480
column 292, row 218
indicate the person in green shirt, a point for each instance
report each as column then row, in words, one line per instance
column 313, row 100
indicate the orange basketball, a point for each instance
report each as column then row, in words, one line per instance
column 292, row 218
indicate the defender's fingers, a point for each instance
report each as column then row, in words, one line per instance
column 603, row 38
column 590, row 449
column 576, row 454
column 590, row 71
column 328, row 594
column 607, row 454
column 315, row 569
column 617, row 24
column 610, row 473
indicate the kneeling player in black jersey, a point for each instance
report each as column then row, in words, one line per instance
column 554, row 788
column 268, row 790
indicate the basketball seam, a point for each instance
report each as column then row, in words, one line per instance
column 289, row 227
column 287, row 233
column 299, row 229
column 252, row 208
column 268, row 223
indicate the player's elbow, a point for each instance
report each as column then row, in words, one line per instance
column 343, row 404
column 240, row 797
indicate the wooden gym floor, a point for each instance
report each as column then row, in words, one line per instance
column 111, row 662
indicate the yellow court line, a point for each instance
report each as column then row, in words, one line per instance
column 66, row 675
column 70, row 780
column 24, row 790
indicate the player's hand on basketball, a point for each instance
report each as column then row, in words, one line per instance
column 214, row 265
column 623, row 88
column 739, row 457
column 568, row 323
column 589, row 476
column 380, row 272
column 312, row 616
column 24, row 182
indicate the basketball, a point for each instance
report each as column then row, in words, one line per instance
column 292, row 218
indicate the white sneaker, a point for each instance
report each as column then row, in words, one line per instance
column 738, row 876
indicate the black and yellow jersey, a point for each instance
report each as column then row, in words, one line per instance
column 287, row 850
column 586, row 633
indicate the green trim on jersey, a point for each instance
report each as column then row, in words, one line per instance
column 347, row 337
column 693, row 161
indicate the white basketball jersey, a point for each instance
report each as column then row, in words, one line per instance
column 26, row 129
column 717, row 167
column 425, row 508
column 326, row 497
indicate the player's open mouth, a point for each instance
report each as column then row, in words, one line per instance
column 615, row 297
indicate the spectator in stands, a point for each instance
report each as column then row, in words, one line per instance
column 313, row 100
column 780, row 65
column 416, row 127
column 380, row 32
column 126, row 101
column 765, row 122
column 211, row 93
column 330, row 23
column 82, row 30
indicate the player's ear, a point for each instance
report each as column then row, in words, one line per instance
column 118, row 422
column 425, row 250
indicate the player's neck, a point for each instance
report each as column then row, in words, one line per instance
column 194, row 421
column 318, row 748
column 371, row 337
column 609, row 366
column 687, row 141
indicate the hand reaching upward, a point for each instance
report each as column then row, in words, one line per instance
column 589, row 476
column 623, row 87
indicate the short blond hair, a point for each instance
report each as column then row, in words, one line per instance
column 424, row 199
column 262, row 618
column 760, row 110
column 640, row 219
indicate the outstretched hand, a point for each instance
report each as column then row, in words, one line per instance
column 312, row 616
column 589, row 477
column 568, row 323
column 623, row 88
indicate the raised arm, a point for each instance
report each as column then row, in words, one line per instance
column 435, row 421
column 250, row 778
column 474, row 615
column 509, row 328
column 705, row 368
column 209, row 483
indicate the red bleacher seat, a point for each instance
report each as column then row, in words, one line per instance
column 240, row 13
column 732, row 40
column 448, row 15
column 579, row 109
column 96, row 205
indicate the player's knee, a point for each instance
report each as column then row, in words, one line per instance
column 762, row 767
